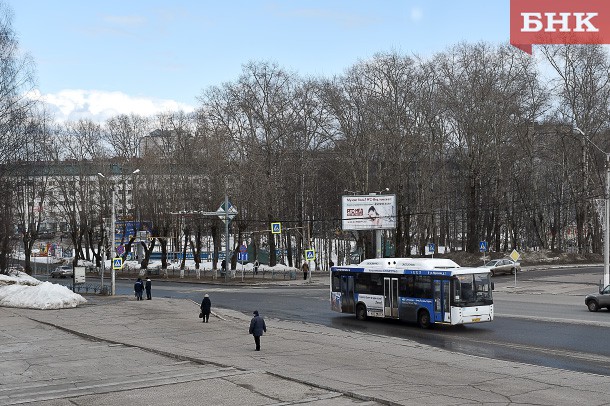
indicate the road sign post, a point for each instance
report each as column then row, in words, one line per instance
column 310, row 255
column 431, row 248
column 515, row 257
column 483, row 248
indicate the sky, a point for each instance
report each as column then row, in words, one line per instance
column 96, row 59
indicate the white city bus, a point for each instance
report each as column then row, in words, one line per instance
column 426, row 291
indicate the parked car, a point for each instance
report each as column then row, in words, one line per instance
column 595, row 301
column 64, row 271
column 497, row 266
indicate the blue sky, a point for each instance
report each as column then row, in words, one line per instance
column 97, row 57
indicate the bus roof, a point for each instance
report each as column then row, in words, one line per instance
column 413, row 263
column 415, row 266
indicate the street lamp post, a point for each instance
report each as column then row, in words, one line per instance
column 113, row 233
column 606, row 212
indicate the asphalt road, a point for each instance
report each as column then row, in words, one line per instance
column 551, row 331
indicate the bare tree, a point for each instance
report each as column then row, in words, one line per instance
column 582, row 87
column 124, row 133
column 16, row 80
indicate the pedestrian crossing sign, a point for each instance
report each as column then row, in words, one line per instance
column 276, row 228
column 310, row 255
column 483, row 246
column 117, row 263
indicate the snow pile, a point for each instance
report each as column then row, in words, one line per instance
column 23, row 291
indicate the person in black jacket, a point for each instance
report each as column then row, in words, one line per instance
column 257, row 327
column 138, row 287
column 206, row 307
column 148, row 286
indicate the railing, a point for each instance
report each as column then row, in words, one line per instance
column 191, row 273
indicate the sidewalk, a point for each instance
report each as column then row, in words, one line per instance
column 116, row 351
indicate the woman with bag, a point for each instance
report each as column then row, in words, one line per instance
column 206, row 308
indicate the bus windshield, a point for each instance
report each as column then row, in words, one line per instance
column 472, row 290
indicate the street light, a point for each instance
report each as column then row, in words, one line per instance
column 113, row 233
column 607, row 212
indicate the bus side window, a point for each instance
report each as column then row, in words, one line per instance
column 422, row 287
column 363, row 281
column 336, row 282
column 376, row 285
column 405, row 286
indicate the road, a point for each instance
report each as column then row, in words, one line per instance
column 548, row 330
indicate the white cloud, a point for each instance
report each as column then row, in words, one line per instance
column 417, row 14
column 96, row 105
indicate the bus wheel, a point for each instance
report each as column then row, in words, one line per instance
column 361, row 312
column 423, row 319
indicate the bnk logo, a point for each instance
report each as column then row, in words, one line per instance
column 559, row 22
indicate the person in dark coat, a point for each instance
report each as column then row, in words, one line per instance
column 305, row 269
column 257, row 327
column 148, row 286
column 206, row 307
column 138, row 287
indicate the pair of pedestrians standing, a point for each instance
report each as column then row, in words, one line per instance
column 140, row 286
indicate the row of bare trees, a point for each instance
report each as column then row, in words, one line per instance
column 476, row 142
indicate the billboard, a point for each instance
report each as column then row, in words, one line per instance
column 368, row 212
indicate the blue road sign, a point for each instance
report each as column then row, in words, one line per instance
column 431, row 247
column 310, row 255
column 117, row 263
column 242, row 256
column 483, row 246
column 276, row 228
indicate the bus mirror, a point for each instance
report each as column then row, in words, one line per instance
column 493, row 286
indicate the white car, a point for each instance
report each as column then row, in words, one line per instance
column 64, row 271
column 497, row 266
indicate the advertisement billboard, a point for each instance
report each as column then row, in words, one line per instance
column 368, row 212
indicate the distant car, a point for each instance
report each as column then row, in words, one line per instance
column 595, row 301
column 497, row 266
column 64, row 271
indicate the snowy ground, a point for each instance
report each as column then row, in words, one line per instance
column 21, row 290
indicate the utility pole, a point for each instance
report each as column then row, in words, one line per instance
column 112, row 248
column 606, row 211
column 226, row 233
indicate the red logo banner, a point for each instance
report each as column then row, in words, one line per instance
column 559, row 22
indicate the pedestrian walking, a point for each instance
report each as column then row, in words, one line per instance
column 148, row 286
column 138, row 288
column 256, row 265
column 206, row 307
column 223, row 267
column 257, row 328
column 305, row 269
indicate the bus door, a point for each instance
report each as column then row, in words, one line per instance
column 442, row 312
column 347, row 293
column 390, row 297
